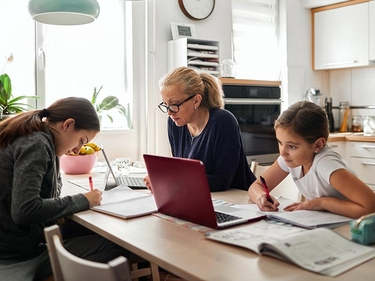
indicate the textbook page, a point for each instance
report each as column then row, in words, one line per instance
column 251, row 236
column 319, row 250
column 124, row 202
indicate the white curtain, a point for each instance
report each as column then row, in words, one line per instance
column 255, row 39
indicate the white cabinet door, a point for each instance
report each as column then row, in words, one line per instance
column 337, row 146
column 341, row 37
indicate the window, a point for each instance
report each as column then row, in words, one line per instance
column 255, row 39
column 17, row 38
column 72, row 60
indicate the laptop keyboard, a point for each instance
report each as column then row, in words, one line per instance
column 221, row 217
column 131, row 181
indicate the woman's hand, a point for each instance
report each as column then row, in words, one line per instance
column 148, row 183
column 94, row 197
column 266, row 206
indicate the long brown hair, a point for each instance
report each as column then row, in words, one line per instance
column 191, row 83
column 305, row 119
column 25, row 123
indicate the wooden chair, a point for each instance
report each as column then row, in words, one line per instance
column 68, row 267
column 287, row 188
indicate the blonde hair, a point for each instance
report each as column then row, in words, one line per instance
column 191, row 83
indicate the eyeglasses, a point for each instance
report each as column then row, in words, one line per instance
column 174, row 108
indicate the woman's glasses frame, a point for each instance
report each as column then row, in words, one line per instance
column 174, row 108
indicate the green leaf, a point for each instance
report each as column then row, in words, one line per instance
column 120, row 108
column 5, row 88
column 95, row 95
column 108, row 103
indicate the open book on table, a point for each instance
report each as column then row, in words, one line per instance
column 320, row 250
column 302, row 218
column 126, row 203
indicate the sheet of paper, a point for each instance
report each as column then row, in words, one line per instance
column 253, row 207
column 252, row 235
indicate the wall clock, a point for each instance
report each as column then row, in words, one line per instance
column 197, row 9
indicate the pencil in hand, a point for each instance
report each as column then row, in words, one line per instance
column 91, row 183
column 269, row 199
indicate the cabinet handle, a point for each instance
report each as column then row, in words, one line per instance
column 368, row 146
column 368, row 164
column 340, row 62
column 333, row 146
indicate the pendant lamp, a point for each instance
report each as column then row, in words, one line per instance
column 64, row 12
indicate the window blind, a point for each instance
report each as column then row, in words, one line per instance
column 255, row 39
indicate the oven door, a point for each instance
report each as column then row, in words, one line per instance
column 256, row 118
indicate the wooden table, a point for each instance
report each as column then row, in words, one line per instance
column 189, row 255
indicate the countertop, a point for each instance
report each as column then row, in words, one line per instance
column 350, row 137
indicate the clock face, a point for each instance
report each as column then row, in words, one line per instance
column 197, row 9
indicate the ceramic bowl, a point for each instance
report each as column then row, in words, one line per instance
column 78, row 164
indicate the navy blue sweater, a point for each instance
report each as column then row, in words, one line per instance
column 219, row 147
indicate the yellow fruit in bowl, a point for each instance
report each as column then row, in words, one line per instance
column 88, row 150
column 93, row 145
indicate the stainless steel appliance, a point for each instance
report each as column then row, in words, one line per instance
column 256, row 108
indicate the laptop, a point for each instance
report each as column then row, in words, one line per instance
column 181, row 190
column 132, row 182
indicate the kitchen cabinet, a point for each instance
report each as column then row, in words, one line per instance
column 362, row 160
column 338, row 146
column 341, row 36
column 201, row 55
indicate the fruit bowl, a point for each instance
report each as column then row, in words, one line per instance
column 78, row 164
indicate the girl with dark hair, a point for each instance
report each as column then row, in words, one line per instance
column 322, row 176
column 30, row 185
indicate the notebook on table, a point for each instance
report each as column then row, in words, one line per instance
column 132, row 182
column 181, row 190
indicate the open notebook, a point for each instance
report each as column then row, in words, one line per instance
column 181, row 190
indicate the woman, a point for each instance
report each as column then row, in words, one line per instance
column 322, row 176
column 30, row 183
column 199, row 128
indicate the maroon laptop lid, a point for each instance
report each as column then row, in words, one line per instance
column 181, row 189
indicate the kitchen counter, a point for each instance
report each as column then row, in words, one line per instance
column 350, row 137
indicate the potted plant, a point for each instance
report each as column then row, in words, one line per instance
column 10, row 105
column 107, row 104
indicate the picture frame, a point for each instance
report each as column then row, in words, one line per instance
column 182, row 30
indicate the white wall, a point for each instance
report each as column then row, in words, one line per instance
column 296, row 32
column 150, row 133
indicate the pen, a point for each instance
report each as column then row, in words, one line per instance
column 91, row 184
column 269, row 199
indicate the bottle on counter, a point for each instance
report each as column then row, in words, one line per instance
column 344, row 116
column 328, row 108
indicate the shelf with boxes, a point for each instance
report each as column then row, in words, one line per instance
column 201, row 55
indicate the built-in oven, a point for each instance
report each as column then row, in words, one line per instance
column 256, row 109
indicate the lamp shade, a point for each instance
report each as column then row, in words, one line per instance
column 64, row 12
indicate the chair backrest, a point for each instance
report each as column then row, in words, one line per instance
column 68, row 267
column 257, row 169
column 287, row 188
